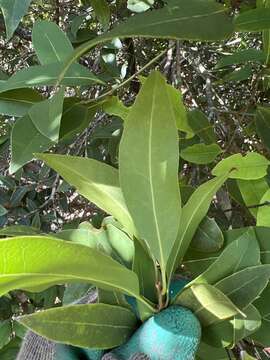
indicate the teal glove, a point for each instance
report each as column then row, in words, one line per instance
column 173, row 334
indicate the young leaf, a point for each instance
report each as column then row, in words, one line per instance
column 97, row 326
column 46, row 115
column 40, row 262
column 238, row 255
column 23, row 147
column 149, row 166
column 263, row 212
column 229, row 332
column 252, row 192
column 18, row 102
column 13, row 11
column 50, row 43
column 245, row 286
column 208, row 303
column 201, row 153
column 94, row 180
column 250, row 167
column 192, row 214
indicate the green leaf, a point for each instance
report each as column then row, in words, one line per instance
column 3, row 211
column 192, row 215
column 262, row 304
column 208, row 303
column 245, row 286
column 208, row 237
column 206, row 351
column 144, row 267
column 201, row 126
column 18, row 102
column 240, row 254
column 13, row 11
column 201, row 153
column 39, row 75
column 5, row 332
column 241, row 74
column 94, row 180
column 112, row 298
column 229, row 332
column 40, row 262
column 98, row 326
column 46, row 115
column 250, row 167
column 263, row 124
column 114, row 106
column 139, row 6
column 195, row 20
column 152, row 166
column 240, row 57
column 264, row 211
column 109, row 240
column 17, row 230
column 102, row 11
column 253, row 20
column 179, row 110
column 23, row 147
column 252, row 192
column 50, row 43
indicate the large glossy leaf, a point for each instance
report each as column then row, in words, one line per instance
column 50, row 43
column 253, row 20
column 263, row 213
column 245, row 286
column 201, row 153
column 250, row 167
column 18, row 102
column 262, row 304
column 238, row 255
column 23, row 147
column 263, row 124
column 208, row 303
column 46, row 115
column 94, row 180
column 149, row 166
column 98, row 326
column 252, row 192
column 39, row 75
column 40, row 262
column 13, row 11
column 192, row 214
column 206, row 351
column 229, row 332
